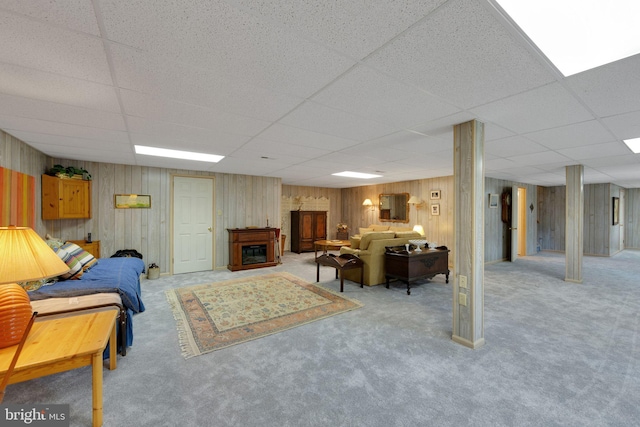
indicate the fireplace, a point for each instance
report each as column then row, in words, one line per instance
column 251, row 248
column 254, row 254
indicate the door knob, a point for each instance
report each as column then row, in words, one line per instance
column 209, row 229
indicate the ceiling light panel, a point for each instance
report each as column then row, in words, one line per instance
column 633, row 144
column 578, row 35
column 177, row 154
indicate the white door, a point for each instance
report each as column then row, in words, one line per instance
column 514, row 222
column 192, row 224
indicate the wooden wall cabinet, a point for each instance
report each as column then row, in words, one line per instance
column 65, row 198
column 307, row 227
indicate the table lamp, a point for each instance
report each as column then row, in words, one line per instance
column 24, row 257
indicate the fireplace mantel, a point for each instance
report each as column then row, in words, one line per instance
column 251, row 248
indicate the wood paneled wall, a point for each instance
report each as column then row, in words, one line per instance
column 334, row 215
column 437, row 228
column 497, row 236
column 632, row 218
column 601, row 237
column 240, row 200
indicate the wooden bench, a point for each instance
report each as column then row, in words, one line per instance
column 340, row 263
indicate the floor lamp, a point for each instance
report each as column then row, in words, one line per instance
column 369, row 204
column 24, row 257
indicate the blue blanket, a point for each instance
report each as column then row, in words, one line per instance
column 120, row 275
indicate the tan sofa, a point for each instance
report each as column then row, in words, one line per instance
column 370, row 248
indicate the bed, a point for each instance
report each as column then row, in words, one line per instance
column 110, row 282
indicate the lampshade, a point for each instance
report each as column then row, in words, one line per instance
column 367, row 202
column 24, row 256
column 419, row 229
column 413, row 200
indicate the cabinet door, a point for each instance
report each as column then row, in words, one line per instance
column 321, row 226
column 75, row 199
column 306, row 226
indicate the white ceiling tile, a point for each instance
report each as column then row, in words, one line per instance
column 275, row 150
column 50, row 111
column 542, row 108
column 575, row 135
column 77, row 15
column 321, row 119
column 165, row 110
column 605, row 161
column 350, row 26
column 304, row 137
column 624, row 126
column 106, row 153
column 542, row 158
column 512, row 146
column 228, row 42
column 367, row 93
column 610, row 89
column 62, row 129
column 28, row 83
column 595, row 150
column 40, row 46
column 461, row 53
column 159, row 78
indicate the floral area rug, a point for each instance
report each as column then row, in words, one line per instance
column 217, row 315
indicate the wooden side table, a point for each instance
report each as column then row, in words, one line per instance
column 340, row 263
column 412, row 265
column 342, row 235
column 66, row 343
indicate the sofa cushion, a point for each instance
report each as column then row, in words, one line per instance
column 408, row 234
column 400, row 228
column 365, row 230
column 377, row 227
column 366, row 238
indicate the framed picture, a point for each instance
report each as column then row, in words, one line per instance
column 435, row 194
column 616, row 210
column 435, row 209
column 493, row 201
column 132, row 201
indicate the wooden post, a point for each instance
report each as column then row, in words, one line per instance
column 468, row 223
column 574, row 220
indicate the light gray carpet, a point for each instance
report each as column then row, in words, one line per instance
column 556, row 354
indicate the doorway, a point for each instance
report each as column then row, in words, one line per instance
column 522, row 221
column 192, row 224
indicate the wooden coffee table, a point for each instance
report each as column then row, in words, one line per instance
column 61, row 344
column 325, row 245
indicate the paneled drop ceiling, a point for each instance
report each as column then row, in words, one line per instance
column 302, row 89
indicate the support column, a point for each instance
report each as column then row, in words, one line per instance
column 574, row 222
column 468, row 223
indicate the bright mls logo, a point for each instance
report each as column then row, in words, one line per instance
column 34, row 415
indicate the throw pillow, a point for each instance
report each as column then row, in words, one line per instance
column 85, row 258
column 365, row 230
column 75, row 268
column 379, row 227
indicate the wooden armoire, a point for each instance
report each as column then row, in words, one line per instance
column 307, row 227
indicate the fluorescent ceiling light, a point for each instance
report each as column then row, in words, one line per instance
column 633, row 144
column 577, row 35
column 177, row 154
column 360, row 175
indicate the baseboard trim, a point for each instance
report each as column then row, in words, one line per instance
column 465, row 342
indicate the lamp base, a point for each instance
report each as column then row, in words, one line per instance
column 15, row 313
